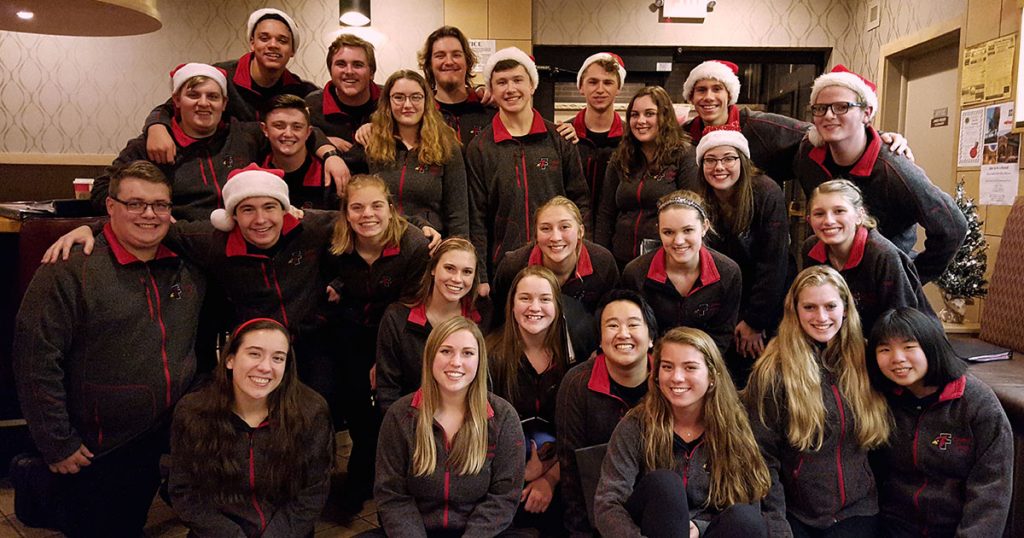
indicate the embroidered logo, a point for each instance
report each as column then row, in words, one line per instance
column 175, row 292
column 543, row 163
column 296, row 258
column 385, row 282
column 943, row 440
column 422, row 169
column 702, row 310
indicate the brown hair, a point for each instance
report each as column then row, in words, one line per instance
column 437, row 139
column 671, row 142
column 353, row 41
column 144, row 170
column 427, row 282
column 425, row 55
column 610, row 66
column 285, row 101
column 342, row 241
column 736, row 214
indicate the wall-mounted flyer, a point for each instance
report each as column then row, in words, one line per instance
column 971, row 137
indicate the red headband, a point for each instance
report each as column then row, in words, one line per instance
column 257, row 320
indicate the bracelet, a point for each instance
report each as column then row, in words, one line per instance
column 330, row 153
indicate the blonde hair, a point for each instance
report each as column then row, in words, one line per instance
column 738, row 471
column 469, row 444
column 851, row 193
column 568, row 205
column 437, row 139
column 342, row 240
column 686, row 200
column 788, row 372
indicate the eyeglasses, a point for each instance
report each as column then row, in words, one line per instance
column 728, row 160
column 137, row 207
column 401, row 98
column 838, row 108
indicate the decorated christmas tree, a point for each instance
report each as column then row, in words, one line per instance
column 964, row 277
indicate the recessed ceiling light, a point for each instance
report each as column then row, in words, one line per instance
column 25, row 15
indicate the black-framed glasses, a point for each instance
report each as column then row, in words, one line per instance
column 401, row 98
column 838, row 108
column 139, row 207
column 728, row 160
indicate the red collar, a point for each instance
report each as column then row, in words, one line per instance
column 236, row 245
column 600, row 381
column 124, row 257
column 584, row 267
column 580, row 125
column 501, row 134
column 708, row 270
column 180, row 137
column 864, row 165
column 953, row 390
column 819, row 252
column 418, row 314
column 243, row 76
column 698, row 129
column 332, row 105
column 417, row 402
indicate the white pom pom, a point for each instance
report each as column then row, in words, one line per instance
column 221, row 220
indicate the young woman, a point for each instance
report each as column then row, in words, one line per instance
column 252, row 451
column 377, row 259
column 815, row 415
column 654, row 158
column 450, row 457
column 944, row 471
column 686, row 283
column 690, row 434
column 530, row 355
column 448, row 289
column 879, row 275
column 417, row 155
column 748, row 212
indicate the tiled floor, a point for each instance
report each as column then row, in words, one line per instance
column 164, row 524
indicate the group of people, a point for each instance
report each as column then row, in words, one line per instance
column 525, row 327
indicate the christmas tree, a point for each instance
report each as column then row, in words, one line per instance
column 965, row 275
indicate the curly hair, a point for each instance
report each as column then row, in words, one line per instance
column 437, row 140
column 670, row 144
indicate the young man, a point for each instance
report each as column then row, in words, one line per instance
column 256, row 77
column 103, row 349
column 598, row 126
column 286, row 126
column 843, row 144
column 516, row 164
column 447, row 63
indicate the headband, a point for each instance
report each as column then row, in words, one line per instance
column 683, row 201
column 257, row 320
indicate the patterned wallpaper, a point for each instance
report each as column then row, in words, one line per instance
column 744, row 23
column 90, row 95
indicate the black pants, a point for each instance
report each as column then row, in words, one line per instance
column 658, row 506
column 854, row 527
column 111, row 497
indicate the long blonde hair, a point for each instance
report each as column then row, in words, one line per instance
column 342, row 241
column 437, row 139
column 469, row 445
column 738, row 471
column 790, row 365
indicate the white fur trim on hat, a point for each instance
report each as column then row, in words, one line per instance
column 602, row 56
column 722, row 137
column 511, row 53
column 714, row 70
column 841, row 76
column 254, row 19
column 186, row 71
column 246, row 183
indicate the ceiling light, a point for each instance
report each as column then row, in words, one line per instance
column 354, row 12
column 25, row 15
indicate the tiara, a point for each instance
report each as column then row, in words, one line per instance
column 683, row 201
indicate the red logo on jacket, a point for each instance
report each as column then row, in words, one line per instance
column 943, row 440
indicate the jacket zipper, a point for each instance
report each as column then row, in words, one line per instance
column 252, row 485
column 839, row 447
column 163, row 337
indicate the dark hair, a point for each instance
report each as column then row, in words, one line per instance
column 355, row 42
column 285, row 100
column 144, row 170
column 428, row 52
column 205, row 446
column 671, row 143
column 509, row 64
column 909, row 324
column 276, row 17
column 631, row 296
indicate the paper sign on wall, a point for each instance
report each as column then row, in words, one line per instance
column 971, row 137
column 998, row 184
column 483, row 48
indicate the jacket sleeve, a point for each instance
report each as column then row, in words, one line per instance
column 201, row 517
column 389, row 364
column 495, row 512
column 896, row 288
column 195, row 240
column 618, row 477
column 945, row 226
column 399, row 515
column 161, row 114
column 455, row 196
column 780, row 136
column 417, row 265
column 135, row 150
column 989, row 485
column 605, row 222
column 771, row 438
column 575, row 182
column 479, row 206
column 570, row 421
column 770, row 257
column 43, row 336
column 298, row 517
column 721, row 326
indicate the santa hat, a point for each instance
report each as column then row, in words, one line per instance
column 184, row 72
column 256, row 16
column 722, row 137
column 725, row 72
column 841, row 76
column 245, row 183
column 607, row 56
column 511, row 53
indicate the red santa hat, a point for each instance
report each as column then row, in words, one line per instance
column 722, row 137
column 511, row 53
column 245, row 183
column 725, row 72
column 270, row 13
column 180, row 74
column 608, row 56
column 841, row 76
